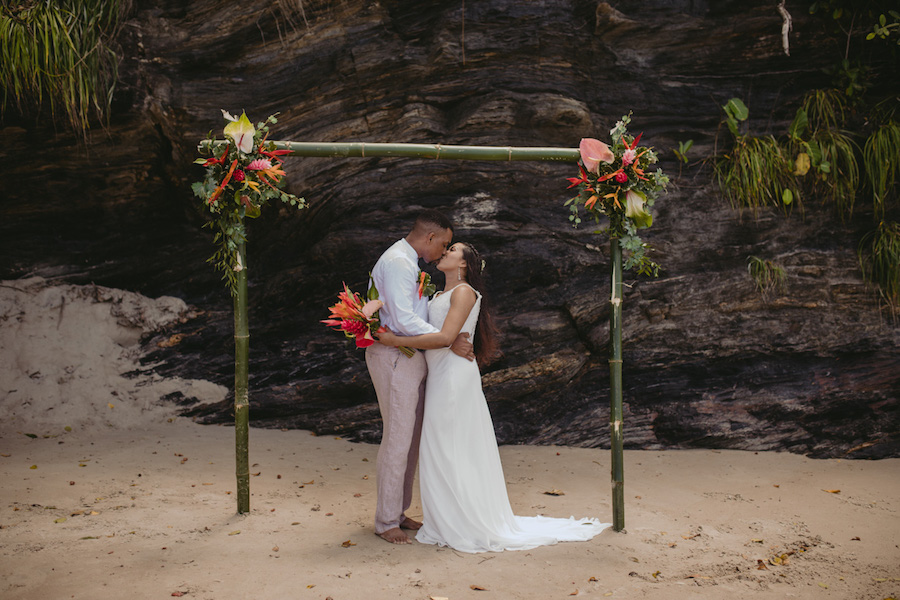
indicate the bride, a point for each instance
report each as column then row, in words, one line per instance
column 463, row 490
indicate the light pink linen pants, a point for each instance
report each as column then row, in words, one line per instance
column 400, row 386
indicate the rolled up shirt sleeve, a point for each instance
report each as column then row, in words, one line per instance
column 397, row 290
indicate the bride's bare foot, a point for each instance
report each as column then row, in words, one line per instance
column 410, row 524
column 394, row 536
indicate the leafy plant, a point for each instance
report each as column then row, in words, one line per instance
column 881, row 158
column 61, row 52
column 756, row 172
column 879, row 258
column 884, row 29
column 825, row 155
column 768, row 276
column 736, row 112
column 681, row 153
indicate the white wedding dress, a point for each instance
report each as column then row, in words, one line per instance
column 461, row 480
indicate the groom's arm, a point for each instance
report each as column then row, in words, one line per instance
column 396, row 290
column 461, row 346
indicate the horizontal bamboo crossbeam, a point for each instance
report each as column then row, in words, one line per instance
column 436, row 151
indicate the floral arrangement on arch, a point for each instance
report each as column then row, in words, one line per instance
column 243, row 172
column 615, row 183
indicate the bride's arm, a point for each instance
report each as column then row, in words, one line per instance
column 461, row 304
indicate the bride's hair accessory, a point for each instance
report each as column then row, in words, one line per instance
column 477, row 256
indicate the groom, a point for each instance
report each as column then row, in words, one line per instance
column 400, row 381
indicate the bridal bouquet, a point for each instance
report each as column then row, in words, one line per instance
column 358, row 320
column 243, row 172
column 615, row 182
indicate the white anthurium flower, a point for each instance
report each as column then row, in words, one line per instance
column 634, row 209
column 242, row 132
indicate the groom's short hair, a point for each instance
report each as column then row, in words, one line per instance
column 431, row 216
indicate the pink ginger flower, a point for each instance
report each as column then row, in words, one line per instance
column 628, row 157
column 260, row 164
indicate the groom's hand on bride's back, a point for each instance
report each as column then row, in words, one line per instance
column 461, row 346
column 386, row 337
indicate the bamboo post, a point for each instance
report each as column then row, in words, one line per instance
column 615, row 386
column 241, row 395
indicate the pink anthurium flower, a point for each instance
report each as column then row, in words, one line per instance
column 634, row 209
column 594, row 152
column 371, row 307
column 242, row 132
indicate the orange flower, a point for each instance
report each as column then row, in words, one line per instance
column 218, row 192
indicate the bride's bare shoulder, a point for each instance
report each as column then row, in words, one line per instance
column 463, row 293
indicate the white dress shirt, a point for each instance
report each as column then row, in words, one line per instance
column 396, row 277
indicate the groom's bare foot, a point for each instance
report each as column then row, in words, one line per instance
column 410, row 524
column 394, row 536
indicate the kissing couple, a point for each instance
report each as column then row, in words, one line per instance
column 433, row 408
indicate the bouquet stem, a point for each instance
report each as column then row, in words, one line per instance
column 407, row 351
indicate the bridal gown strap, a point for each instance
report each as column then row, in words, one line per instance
column 463, row 489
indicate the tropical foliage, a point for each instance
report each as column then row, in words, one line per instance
column 825, row 155
column 821, row 157
column 756, row 171
column 768, row 276
column 879, row 258
column 60, row 53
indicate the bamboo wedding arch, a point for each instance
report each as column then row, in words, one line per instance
column 447, row 152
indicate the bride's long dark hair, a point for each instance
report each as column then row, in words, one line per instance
column 485, row 332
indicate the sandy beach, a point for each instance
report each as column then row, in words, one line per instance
column 107, row 493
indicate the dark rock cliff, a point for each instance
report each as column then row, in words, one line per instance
column 709, row 362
